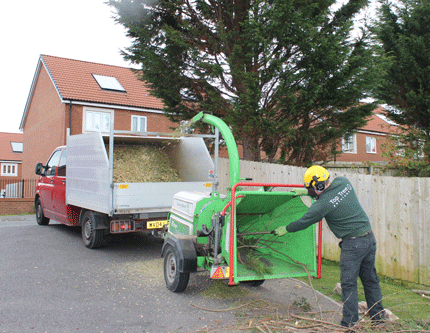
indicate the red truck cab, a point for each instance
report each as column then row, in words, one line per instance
column 50, row 199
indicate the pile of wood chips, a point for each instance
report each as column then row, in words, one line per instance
column 142, row 163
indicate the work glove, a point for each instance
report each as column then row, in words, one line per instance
column 300, row 191
column 281, row 231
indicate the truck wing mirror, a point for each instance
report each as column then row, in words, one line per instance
column 39, row 167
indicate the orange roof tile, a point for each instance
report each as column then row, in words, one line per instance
column 6, row 153
column 74, row 81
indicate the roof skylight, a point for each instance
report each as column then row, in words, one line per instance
column 108, row 83
column 17, row 147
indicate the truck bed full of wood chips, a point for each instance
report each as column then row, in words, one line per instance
column 142, row 163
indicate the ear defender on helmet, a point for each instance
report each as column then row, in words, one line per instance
column 316, row 176
column 320, row 186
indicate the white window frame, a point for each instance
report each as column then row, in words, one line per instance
column 350, row 146
column 138, row 123
column 370, row 145
column 9, row 169
column 99, row 111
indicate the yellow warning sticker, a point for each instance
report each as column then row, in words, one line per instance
column 123, row 186
column 208, row 184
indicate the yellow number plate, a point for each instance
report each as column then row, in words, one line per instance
column 156, row 224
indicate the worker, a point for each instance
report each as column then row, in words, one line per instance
column 337, row 202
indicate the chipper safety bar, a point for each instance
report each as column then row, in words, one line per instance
column 253, row 217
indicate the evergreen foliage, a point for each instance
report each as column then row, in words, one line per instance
column 403, row 31
column 277, row 71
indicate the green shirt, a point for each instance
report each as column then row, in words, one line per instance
column 340, row 207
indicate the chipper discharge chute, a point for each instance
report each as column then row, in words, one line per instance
column 232, row 236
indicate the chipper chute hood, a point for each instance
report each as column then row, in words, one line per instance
column 233, row 153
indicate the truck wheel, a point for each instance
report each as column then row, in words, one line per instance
column 40, row 217
column 175, row 281
column 92, row 237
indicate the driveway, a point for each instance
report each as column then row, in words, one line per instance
column 50, row 282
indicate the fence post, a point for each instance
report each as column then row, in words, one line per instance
column 22, row 189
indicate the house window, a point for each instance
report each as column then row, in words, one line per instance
column 370, row 145
column 9, row 169
column 97, row 120
column 138, row 124
column 349, row 144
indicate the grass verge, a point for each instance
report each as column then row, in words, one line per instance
column 411, row 308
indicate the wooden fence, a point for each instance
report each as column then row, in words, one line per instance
column 399, row 210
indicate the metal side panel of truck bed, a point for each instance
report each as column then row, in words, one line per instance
column 89, row 183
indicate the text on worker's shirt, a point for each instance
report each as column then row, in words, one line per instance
column 341, row 195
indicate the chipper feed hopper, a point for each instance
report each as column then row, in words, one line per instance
column 232, row 236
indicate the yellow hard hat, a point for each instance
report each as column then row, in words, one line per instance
column 316, row 176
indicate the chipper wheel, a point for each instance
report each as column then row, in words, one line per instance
column 254, row 283
column 175, row 280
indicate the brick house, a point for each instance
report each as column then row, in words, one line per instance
column 69, row 97
column 365, row 143
column 11, row 147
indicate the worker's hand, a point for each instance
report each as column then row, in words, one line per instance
column 300, row 191
column 281, row 231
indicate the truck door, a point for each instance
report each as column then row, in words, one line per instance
column 59, row 190
column 46, row 184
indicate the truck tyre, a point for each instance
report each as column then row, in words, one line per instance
column 40, row 217
column 92, row 237
column 175, row 280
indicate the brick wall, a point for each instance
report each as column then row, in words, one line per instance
column 17, row 206
column 44, row 129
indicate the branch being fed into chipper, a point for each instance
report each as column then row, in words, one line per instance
column 256, row 233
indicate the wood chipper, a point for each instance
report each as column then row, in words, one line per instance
column 233, row 236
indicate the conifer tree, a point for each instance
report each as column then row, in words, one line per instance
column 278, row 71
column 403, row 31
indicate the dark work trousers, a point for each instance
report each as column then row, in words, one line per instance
column 357, row 259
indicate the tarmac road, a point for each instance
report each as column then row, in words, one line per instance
column 50, row 282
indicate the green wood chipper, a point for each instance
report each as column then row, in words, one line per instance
column 233, row 236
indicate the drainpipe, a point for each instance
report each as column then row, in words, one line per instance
column 69, row 130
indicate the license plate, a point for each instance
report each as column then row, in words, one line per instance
column 156, row 224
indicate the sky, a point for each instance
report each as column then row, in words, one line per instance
column 75, row 29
